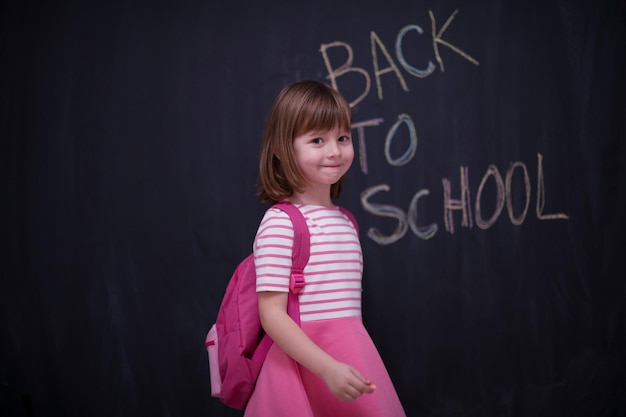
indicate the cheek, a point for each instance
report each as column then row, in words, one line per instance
column 299, row 156
column 303, row 159
column 349, row 153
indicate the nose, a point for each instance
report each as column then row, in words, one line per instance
column 333, row 149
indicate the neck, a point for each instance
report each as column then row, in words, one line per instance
column 310, row 197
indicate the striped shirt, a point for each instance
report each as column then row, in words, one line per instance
column 333, row 273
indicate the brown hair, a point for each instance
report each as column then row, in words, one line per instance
column 299, row 108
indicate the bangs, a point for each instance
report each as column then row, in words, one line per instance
column 322, row 112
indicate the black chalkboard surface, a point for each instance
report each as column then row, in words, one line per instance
column 489, row 184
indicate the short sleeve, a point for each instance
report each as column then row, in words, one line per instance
column 272, row 251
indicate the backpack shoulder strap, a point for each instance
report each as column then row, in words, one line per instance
column 300, row 257
column 301, row 237
column 350, row 216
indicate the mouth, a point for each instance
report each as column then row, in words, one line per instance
column 334, row 169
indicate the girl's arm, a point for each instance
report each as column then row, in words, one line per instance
column 344, row 381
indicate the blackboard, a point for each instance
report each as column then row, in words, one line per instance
column 489, row 184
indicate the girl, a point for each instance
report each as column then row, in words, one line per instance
column 328, row 367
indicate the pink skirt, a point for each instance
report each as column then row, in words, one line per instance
column 286, row 389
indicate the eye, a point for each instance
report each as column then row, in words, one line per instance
column 344, row 139
column 317, row 141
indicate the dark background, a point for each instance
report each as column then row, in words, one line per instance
column 130, row 133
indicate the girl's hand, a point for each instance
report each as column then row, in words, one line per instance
column 346, row 383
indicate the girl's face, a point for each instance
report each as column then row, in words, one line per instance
column 324, row 156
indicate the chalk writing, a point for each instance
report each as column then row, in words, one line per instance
column 376, row 44
column 503, row 195
column 410, row 152
column 375, row 41
column 541, row 196
column 462, row 204
column 423, row 232
column 384, row 210
column 492, row 172
column 509, row 201
column 400, row 54
column 437, row 40
column 383, row 64
column 360, row 129
column 345, row 69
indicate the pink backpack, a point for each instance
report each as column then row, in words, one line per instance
column 236, row 343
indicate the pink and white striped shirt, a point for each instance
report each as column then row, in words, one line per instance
column 333, row 273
